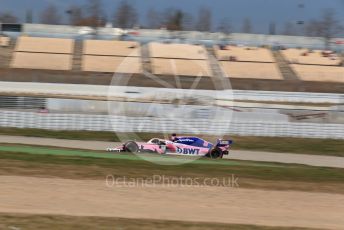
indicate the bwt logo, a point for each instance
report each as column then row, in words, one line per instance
column 188, row 151
column 185, row 140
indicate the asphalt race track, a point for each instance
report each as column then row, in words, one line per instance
column 312, row 160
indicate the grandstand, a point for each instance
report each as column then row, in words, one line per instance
column 43, row 53
column 319, row 73
column 95, row 61
column 316, row 65
column 247, row 54
column 248, row 62
column 179, row 59
column 111, row 56
column 252, row 70
column 316, row 57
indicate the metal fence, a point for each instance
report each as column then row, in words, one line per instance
column 146, row 124
column 22, row 102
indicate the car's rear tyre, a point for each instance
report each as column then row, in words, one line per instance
column 215, row 153
column 131, row 147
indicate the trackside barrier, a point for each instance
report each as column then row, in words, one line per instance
column 147, row 124
column 68, row 90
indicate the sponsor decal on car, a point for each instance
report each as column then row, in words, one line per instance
column 187, row 151
column 185, row 140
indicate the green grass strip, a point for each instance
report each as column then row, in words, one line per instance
column 126, row 156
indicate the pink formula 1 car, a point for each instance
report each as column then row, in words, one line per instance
column 192, row 146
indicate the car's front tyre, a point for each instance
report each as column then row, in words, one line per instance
column 131, row 147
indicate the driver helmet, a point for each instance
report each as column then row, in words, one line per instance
column 173, row 137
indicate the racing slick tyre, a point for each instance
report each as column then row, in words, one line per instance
column 215, row 153
column 131, row 147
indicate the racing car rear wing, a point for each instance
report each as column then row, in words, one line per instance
column 221, row 143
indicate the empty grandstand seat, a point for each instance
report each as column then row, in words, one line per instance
column 253, row 70
column 111, row 64
column 42, row 61
column 111, row 56
column 179, row 59
column 162, row 66
column 319, row 73
column 249, row 54
column 304, row 56
column 112, row 48
column 44, row 45
column 174, row 51
column 4, row 41
column 43, row 53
